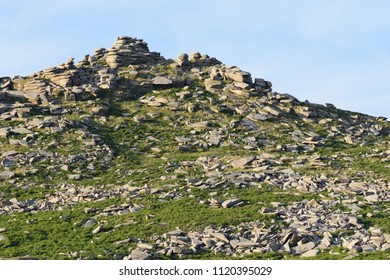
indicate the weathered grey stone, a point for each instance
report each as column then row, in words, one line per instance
column 90, row 223
column 36, row 97
column 375, row 230
column 245, row 243
column 372, row 198
column 208, row 242
column 184, row 94
column 349, row 243
column 241, row 162
column 154, row 103
column 16, row 94
column 220, row 236
column 74, row 176
column 385, row 247
column 199, row 125
column 215, row 202
column 214, row 140
column 161, row 81
column 7, row 162
column 146, row 246
column 98, row 229
column 262, row 84
column 272, row 110
column 21, row 130
column 240, row 76
column 291, row 238
column 100, row 110
column 232, row 203
column 367, row 248
column 191, row 107
column 175, row 106
column 182, row 60
column 349, row 139
column 5, row 175
column 305, row 111
column 240, row 93
column 257, row 117
column 310, row 253
column 130, row 51
column 212, row 85
column 194, row 56
column 242, row 85
column 303, row 248
column 139, row 254
column 4, row 132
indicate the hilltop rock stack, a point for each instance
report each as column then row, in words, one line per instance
column 128, row 69
column 64, row 75
column 131, row 51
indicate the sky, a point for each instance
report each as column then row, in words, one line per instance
column 333, row 51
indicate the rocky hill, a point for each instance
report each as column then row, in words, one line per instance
column 128, row 155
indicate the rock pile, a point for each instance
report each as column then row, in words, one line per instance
column 107, row 70
column 235, row 81
column 196, row 60
column 131, row 51
column 298, row 238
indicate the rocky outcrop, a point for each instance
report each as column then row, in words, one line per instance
column 126, row 69
column 131, row 51
column 196, row 60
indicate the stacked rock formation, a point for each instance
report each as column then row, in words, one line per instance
column 128, row 69
column 196, row 60
column 131, row 51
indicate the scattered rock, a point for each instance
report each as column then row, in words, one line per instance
column 232, row 203
column 161, row 81
column 297, row 250
column 310, row 253
column 5, row 175
column 241, row 162
column 90, row 223
column 96, row 230
column 220, row 236
column 139, row 254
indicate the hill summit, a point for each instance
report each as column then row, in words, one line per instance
column 129, row 155
column 128, row 69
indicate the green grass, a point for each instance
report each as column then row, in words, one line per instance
column 9, row 191
column 187, row 213
column 380, row 218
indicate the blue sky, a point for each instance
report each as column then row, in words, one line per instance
column 322, row 51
